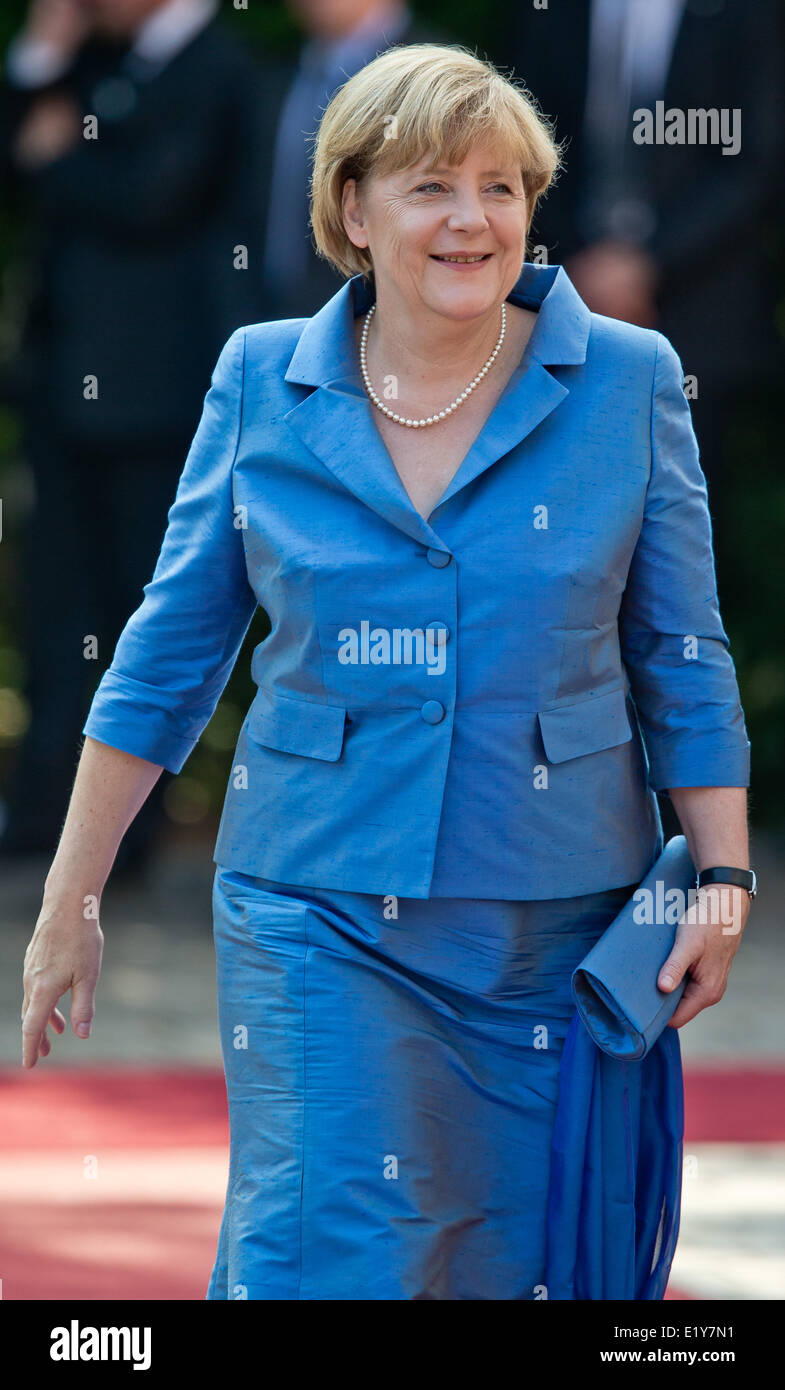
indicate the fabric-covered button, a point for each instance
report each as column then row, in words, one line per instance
column 432, row 712
column 438, row 558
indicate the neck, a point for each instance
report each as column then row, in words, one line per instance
column 430, row 350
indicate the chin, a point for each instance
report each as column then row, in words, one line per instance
column 463, row 303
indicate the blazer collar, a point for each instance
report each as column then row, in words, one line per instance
column 326, row 350
column 336, row 421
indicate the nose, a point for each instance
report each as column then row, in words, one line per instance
column 467, row 213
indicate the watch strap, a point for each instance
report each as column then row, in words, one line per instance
column 742, row 878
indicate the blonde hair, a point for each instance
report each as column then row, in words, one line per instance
column 412, row 101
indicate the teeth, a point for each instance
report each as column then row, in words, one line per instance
column 461, row 260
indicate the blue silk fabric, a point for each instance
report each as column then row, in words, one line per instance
column 417, row 1111
column 568, row 566
column 616, row 1165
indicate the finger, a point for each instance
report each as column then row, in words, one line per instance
column 33, row 1026
column 82, row 1008
column 695, row 999
column 682, row 956
column 57, row 1021
column 27, row 992
column 45, row 1047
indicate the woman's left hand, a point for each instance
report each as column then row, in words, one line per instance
column 707, row 938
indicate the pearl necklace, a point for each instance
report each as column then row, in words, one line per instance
column 442, row 414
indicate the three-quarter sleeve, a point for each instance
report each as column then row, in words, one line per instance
column 673, row 644
column 177, row 650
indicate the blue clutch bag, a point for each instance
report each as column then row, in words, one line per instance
column 615, row 985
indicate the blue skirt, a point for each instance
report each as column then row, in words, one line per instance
column 416, row 1111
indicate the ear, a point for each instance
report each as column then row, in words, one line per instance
column 353, row 218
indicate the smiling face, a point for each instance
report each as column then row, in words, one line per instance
column 417, row 221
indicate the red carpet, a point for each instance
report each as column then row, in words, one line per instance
column 113, row 1178
column 743, row 1107
column 114, row 1106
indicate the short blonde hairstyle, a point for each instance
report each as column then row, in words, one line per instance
column 412, row 101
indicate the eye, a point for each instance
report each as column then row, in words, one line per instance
column 421, row 188
column 505, row 186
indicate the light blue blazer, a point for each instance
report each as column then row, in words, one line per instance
column 565, row 655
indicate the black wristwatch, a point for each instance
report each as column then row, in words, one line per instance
column 743, row 878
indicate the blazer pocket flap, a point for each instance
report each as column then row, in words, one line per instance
column 297, row 726
column 587, row 725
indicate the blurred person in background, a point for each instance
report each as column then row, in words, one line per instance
column 136, row 284
column 670, row 236
column 341, row 37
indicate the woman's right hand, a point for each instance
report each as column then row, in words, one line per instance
column 65, row 949
column 64, row 953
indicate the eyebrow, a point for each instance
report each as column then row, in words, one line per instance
column 445, row 169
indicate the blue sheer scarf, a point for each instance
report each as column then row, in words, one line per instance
column 616, row 1168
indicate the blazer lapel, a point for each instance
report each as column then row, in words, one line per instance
column 559, row 338
column 336, row 423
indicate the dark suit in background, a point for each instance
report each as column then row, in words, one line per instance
column 705, row 219
column 135, row 283
column 710, row 230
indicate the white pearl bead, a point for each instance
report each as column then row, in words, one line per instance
column 448, row 410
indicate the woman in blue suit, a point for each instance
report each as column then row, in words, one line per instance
column 475, row 515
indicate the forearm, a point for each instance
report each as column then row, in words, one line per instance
column 714, row 821
column 109, row 789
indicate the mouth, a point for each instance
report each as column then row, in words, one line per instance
column 477, row 258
